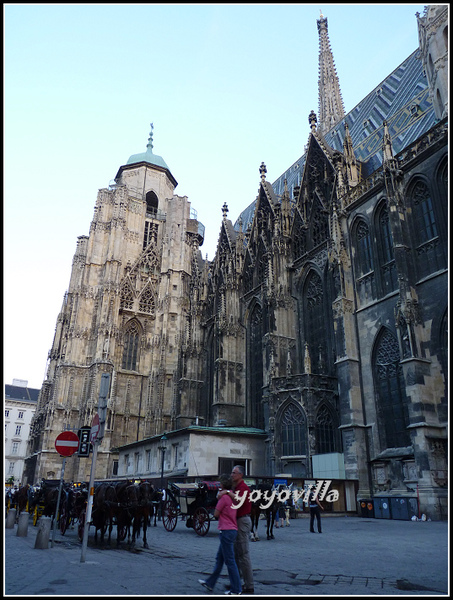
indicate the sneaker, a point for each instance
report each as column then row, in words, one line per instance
column 230, row 593
column 205, row 585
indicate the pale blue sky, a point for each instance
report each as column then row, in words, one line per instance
column 227, row 86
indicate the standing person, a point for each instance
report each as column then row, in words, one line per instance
column 281, row 513
column 241, row 546
column 315, row 505
column 228, row 527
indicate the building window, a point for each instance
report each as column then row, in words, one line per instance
column 131, row 344
column 428, row 247
column 390, row 392
column 385, row 251
column 325, row 432
column 18, row 429
column 293, row 432
column 256, row 368
column 7, row 412
column 226, row 465
column 152, row 202
column 364, row 257
column 315, row 322
column 15, row 448
column 150, row 234
column 21, row 414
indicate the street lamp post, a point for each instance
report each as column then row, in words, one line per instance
column 162, row 448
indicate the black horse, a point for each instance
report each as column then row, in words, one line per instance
column 269, row 511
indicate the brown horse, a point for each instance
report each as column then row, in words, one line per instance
column 144, row 497
column 105, row 509
column 22, row 497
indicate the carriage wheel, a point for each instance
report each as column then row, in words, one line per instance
column 81, row 527
column 63, row 519
column 201, row 521
column 169, row 515
column 35, row 515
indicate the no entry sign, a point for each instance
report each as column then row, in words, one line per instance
column 67, row 443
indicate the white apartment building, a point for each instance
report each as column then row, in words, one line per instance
column 20, row 406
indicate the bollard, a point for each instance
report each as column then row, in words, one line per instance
column 10, row 518
column 22, row 527
column 42, row 537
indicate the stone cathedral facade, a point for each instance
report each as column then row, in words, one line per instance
column 321, row 321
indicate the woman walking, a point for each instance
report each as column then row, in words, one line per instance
column 226, row 515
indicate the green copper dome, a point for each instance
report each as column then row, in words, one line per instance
column 148, row 156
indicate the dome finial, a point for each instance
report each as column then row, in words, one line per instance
column 150, row 139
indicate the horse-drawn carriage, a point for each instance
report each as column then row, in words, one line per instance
column 193, row 501
column 72, row 503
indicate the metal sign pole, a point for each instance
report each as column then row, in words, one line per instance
column 102, row 409
column 58, row 502
column 89, row 503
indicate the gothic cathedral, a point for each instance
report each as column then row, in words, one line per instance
column 322, row 319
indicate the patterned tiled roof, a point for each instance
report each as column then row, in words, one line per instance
column 402, row 100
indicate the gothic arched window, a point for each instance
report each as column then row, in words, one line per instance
column 319, row 224
column 388, row 274
column 390, row 391
column 428, row 244
column 326, row 433
column 256, row 368
column 364, row 257
column 293, row 431
column 315, row 321
column 152, row 203
column 131, row 346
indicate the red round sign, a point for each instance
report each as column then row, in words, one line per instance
column 67, row 443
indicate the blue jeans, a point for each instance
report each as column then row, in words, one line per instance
column 225, row 555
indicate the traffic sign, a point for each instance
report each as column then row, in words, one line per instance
column 67, row 443
column 94, row 428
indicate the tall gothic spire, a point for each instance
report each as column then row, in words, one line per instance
column 331, row 107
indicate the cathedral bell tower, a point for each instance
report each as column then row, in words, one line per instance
column 124, row 313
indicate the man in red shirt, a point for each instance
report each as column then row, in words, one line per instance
column 244, row 522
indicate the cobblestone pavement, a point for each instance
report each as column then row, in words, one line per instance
column 353, row 556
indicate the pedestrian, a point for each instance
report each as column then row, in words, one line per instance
column 287, row 514
column 241, row 546
column 281, row 513
column 315, row 505
column 228, row 527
